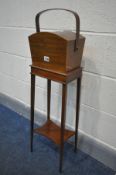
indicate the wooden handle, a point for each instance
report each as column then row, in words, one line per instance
column 76, row 17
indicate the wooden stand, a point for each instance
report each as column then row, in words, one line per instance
column 50, row 130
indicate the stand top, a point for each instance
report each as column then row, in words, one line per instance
column 63, row 78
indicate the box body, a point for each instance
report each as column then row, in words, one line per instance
column 55, row 51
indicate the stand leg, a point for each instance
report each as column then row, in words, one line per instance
column 77, row 111
column 63, row 116
column 48, row 98
column 32, row 109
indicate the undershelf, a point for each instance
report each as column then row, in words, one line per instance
column 53, row 132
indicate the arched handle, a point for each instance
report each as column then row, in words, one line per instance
column 74, row 13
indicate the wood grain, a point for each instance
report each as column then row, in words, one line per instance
column 59, row 47
column 53, row 132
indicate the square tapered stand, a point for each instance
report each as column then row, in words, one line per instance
column 50, row 130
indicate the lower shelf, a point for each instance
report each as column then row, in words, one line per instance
column 53, row 132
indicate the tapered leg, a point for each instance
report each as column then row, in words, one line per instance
column 48, row 98
column 32, row 109
column 77, row 111
column 63, row 116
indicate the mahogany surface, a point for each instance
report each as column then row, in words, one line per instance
column 59, row 47
column 53, row 132
column 55, row 75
